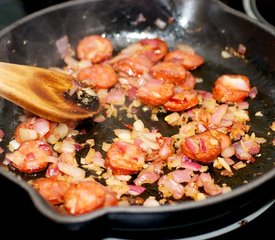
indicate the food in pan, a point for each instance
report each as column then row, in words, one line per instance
column 141, row 165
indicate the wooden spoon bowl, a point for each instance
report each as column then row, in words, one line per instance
column 42, row 92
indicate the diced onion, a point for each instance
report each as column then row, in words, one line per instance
column 224, row 164
column 27, row 134
column 151, row 202
column 172, row 118
column 67, row 147
column 62, row 130
column 13, row 145
column 63, row 46
column 1, row 150
column 239, row 165
column 150, row 140
column 138, row 125
column 1, row 134
column 123, row 133
column 228, row 152
column 160, row 23
column 136, row 190
column 76, row 172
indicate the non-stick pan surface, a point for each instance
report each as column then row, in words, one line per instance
column 209, row 27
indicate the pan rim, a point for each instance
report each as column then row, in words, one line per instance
column 79, row 2
column 44, row 207
column 251, row 9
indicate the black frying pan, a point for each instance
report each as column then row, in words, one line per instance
column 209, row 27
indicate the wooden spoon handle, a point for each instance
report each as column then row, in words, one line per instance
column 40, row 91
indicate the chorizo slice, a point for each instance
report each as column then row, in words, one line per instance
column 31, row 156
column 83, row 197
column 124, row 158
column 202, row 147
column 231, row 88
column 182, row 101
column 155, row 94
column 189, row 60
column 154, row 49
column 94, row 48
column 133, row 66
column 99, row 76
column 169, row 72
column 52, row 189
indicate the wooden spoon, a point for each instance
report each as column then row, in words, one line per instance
column 42, row 92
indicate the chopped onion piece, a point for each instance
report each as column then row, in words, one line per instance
column 228, row 152
column 219, row 114
column 115, row 97
column 63, row 46
column 225, row 54
column 239, row 165
column 172, row 118
column 41, row 126
column 62, row 130
column 13, row 145
column 123, row 133
column 181, row 176
column 98, row 159
column 52, row 139
column 253, row 92
column 105, row 146
column 160, row 23
column 241, row 49
column 151, row 202
column 136, row 190
column 27, row 134
column 67, row 147
column 189, row 164
column 1, row 134
column 6, row 162
column 259, row 114
column 272, row 127
column 138, row 125
column 51, row 159
column 124, row 178
column 99, row 118
column 150, row 140
column 224, row 164
column 243, row 105
column 76, row 172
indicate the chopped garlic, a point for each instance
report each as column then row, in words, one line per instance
column 259, row 114
column 272, row 127
column 225, row 54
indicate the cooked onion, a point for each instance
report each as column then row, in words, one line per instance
column 136, row 190
column 228, row 152
column 63, row 46
column 1, row 134
column 27, row 134
column 76, row 172
column 151, row 202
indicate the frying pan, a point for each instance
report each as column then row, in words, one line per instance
column 207, row 26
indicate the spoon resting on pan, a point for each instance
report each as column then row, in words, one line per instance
column 46, row 93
